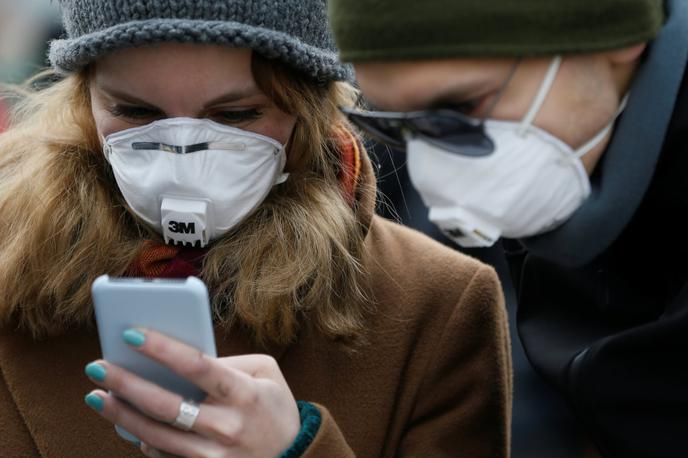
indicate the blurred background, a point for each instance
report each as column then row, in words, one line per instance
column 542, row 424
column 25, row 28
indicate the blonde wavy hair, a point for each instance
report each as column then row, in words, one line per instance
column 299, row 259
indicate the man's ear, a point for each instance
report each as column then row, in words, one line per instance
column 626, row 55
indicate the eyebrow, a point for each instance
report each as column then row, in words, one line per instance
column 232, row 96
column 452, row 95
column 114, row 93
column 477, row 90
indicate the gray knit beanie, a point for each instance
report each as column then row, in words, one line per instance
column 293, row 31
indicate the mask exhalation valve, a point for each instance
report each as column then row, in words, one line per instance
column 184, row 221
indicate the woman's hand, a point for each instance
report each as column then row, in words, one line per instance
column 249, row 412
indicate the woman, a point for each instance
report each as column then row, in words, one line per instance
column 398, row 345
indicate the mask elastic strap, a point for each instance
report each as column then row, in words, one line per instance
column 545, row 87
column 585, row 149
column 107, row 149
column 284, row 176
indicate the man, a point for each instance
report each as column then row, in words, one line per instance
column 563, row 125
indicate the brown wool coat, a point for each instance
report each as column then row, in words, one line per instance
column 433, row 381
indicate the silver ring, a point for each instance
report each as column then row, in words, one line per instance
column 188, row 412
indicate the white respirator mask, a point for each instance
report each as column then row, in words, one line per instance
column 193, row 180
column 531, row 183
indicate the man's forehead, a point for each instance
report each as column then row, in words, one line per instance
column 412, row 85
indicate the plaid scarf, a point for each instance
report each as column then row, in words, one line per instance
column 158, row 260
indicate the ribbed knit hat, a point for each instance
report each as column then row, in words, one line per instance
column 420, row 29
column 293, row 31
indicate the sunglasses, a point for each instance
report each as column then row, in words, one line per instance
column 450, row 130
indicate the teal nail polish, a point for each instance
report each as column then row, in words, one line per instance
column 94, row 401
column 134, row 337
column 127, row 436
column 95, row 371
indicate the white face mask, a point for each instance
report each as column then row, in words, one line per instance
column 530, row 184
column 194, row 179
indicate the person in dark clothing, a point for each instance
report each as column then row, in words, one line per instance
column 564, row 130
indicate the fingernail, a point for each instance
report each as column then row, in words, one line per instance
column 94, row 401
column 95, row 371
column 134, row 337
column 127, row 436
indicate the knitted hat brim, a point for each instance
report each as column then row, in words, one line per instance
column 71, row 55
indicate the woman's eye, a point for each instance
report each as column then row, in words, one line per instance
column 237, row 116
column 134, row 112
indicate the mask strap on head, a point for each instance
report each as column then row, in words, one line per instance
column 545, row 87
column 585, row 149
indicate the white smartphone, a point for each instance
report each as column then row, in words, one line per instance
column 177, row 308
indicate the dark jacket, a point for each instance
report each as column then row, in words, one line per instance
column 603, row 303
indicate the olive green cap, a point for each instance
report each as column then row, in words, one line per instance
column 368, row 30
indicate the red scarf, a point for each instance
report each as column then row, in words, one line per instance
column 158, row 260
